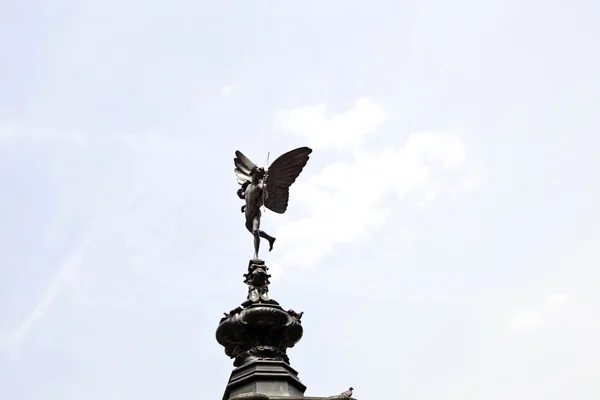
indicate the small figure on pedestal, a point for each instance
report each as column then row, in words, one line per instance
column 257, row 280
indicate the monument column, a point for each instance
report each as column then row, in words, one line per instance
column 257, row 334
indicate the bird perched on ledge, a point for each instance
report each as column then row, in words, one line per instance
column 344, row 395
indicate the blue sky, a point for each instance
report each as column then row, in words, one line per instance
column 443, row 240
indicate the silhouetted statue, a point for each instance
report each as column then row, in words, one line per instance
column 270, row 188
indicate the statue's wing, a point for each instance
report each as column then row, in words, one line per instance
column 281, row 174
column 243, row 166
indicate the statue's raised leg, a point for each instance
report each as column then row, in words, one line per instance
column 270, row 238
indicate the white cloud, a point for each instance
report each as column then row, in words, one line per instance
column 536, row 318
column 229, row 89
column 14, row 131
column 345, row 200
column 340, row 131
column 525, row 320
column 560, row 299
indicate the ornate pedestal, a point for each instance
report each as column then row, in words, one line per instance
column 257, row 335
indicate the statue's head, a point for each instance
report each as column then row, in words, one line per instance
column 257, row 173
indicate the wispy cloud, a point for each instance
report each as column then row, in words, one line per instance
column 65, row 272
column 228, row 90
column 535, row 318
column 129, row 205
column 525, row 320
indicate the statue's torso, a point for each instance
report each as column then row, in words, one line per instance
column 253, row 198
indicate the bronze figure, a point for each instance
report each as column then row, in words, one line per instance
column 270, row 188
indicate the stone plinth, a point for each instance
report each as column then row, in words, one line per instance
column 269, row 378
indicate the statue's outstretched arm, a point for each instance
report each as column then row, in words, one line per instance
column 242, row 191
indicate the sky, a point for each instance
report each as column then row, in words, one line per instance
column 443, row 240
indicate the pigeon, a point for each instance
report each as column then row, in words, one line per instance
column 348, row 393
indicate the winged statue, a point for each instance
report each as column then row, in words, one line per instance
column 270, row 188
